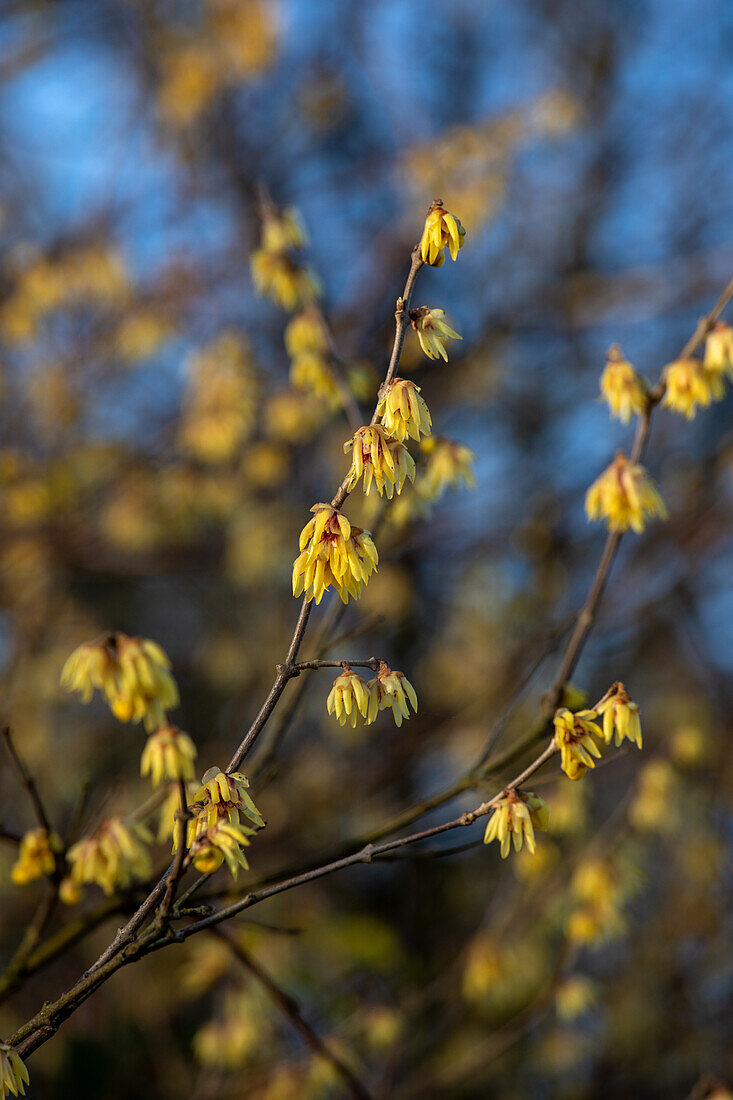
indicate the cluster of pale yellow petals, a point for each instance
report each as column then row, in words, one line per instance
column 35, row 856
column 514, row 820
column 168, row 754
column 311, row 372
column 620, row 716
column 219, row 404
column 226, row 1043
column 351, row 698
column 215, row 832
column 689, row 385
column 112, row 857
column 282, row 229
column 718, row 357
column 621, row 387
column 598, row 890
column 333, row 553
column 449, row 466
column 625, row 496
column 222, row 843
column 574, row 737
column 403, row 412
column 275, row 273
column 13, row 1073
column 382, row 461
column 306, row 332
column 432, row 330
column 655, row 802
column 441, row 229
column 133, row 674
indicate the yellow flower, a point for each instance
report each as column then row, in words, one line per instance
column 306, row 332
column 168, row 754
column 282, row 229
column 35, row 857
column 574, row 737
column 515, row 818
column 383, row 461
column 278, row 277
column 13, row 1074
column 310, row 371
column 221, row 798
column 114, row 856
column 403, row 411
column 719, row 350
column 622, row 387
column 441, row 229
column 688, row 385
column 227, row 1043
column 619, row 713
column 219, row 406
column 599, row 890
column 69, row 892
column 449, row 465
column 574, row 996
column 654, row 808
column 333, row 552
column 348, row 698
column 432, row 330
column 390, row 690
column 222, row 843
column 625, row 496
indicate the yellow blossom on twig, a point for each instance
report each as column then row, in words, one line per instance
column 625, row 496
column 441, row 229
column 13, row 1074
column 574, row 737
column 222, row 843
column 333, row 553
column 620, row 714
column 112, row 857
column 719, row 350
column 688, row 385
column 515, row 818
column 403, row 411
column 349, row 697
column 432, row 330
column 168, row 754
column 383, row 462
column 621, row 387
column 391, row 690
column 36, row 856
column 222, row 796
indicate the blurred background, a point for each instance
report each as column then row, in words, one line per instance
column 157, row 465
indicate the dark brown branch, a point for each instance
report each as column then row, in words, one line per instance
column 27, row 781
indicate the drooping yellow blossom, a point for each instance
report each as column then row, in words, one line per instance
column 441, row 229
column 449, row 465
column 36, row 856
column 222, row 843
column 621, row 387
column 515, row 818
column 654, row 807
column 403, row 411
column 112, row 857
column 13, row 1074
column 306, row 332
column 688, row 384
column 574, row 996
column 278, row 277
column 432, row 330
column 574, row 737
column 620, row 714
column 222, row 797
column 132, row 673
column 390, row 691
column 311, row 371
column 625, row 496
column 348, row 698
column 168, row 754
column 333, row 552
column 384, row 462
column 219, row 404
column 718, row 357
column 69, row 891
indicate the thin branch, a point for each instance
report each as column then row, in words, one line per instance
column 291, row 1010
column 27, row 781
column 370, row 662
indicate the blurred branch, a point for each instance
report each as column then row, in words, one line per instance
column 27, row 781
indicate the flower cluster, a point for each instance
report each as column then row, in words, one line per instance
column 112, row 857
column 222, row 843
column 599, row 889
column 352, row 698
column 133, row 674
column 441, row 229
column 655, row 802
column 625, row 496
column 574, row 735
column 620, row 715
column 220, row 400
column 168, row 754
column 215, row 832
column 690, row 385
column 13, row 1074
column 621, row 387
column 349, row 697
column 403, row 411
column 432, row 330
column 333, row 553
column 275, row 272
column 36, row 856
column 383, row 461
column 312, row 372
column 718, row 357
column 449, row 465
column 515, row 818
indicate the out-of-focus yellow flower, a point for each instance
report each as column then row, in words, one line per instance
column 13, row 1074
column 403, row 411
column 306, row 332
column 719, row 350
column 449, row 465
column 69, row 891
column 390, row 691
column 620, row 714
column 36, row 856
column 278, row 277
column 348, row 698
column 432, row 330
column 574, row 996
column 568, row 805
column 654, row 807
column 140, row 334
column 382, row 461
column 485, row 966
column 689, row 746
column 688, row 385
column 132, row 673
column 219, row 404
column 222, row 843
column 292, row 417
column 170, row 807
column 621, row 387
column 282, row 229
column 441, row 229
column 530, row 867
column 243, row 35
column 168, row 754
column 574, row 737
column 112, row 857
column 514, row 819
column 598, row 889
column 333, row 552
column 625, row 496
column 383, row 1026
column 229, row 1042
column 189, row 81
column 311, row 371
